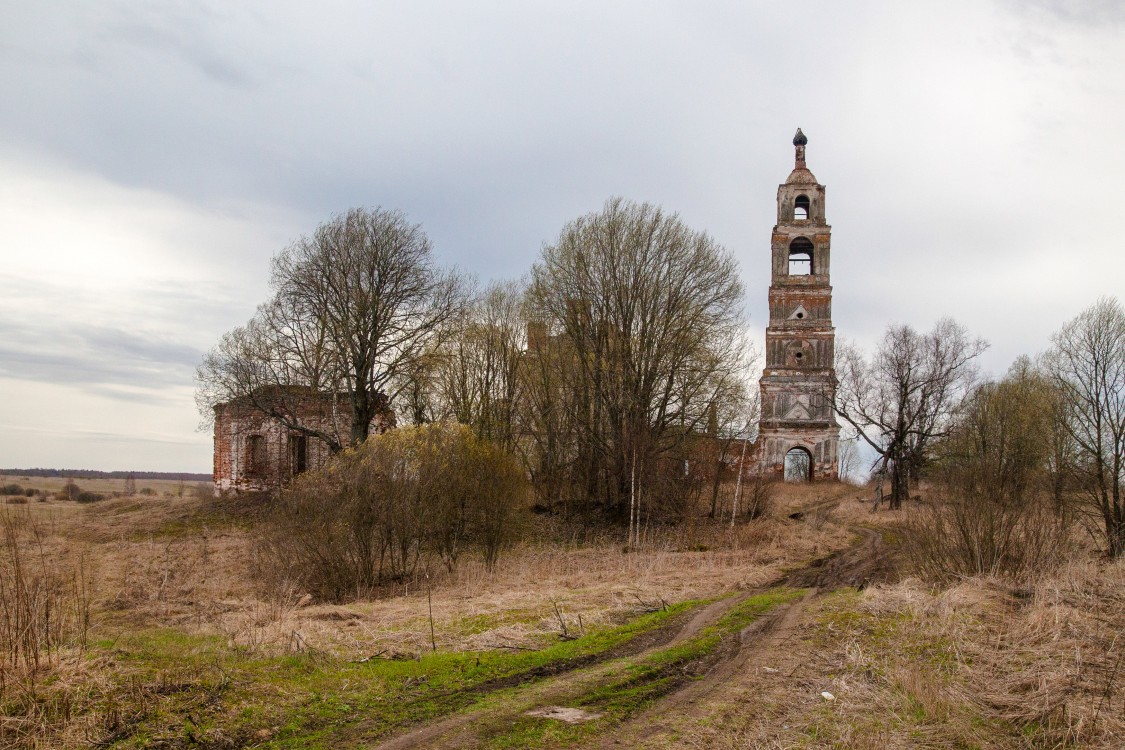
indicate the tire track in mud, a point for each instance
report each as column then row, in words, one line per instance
column 567, row 677
column 862, row 563
column 753, row 641
column 865, row 562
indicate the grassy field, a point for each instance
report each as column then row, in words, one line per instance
column 145, row 487
column 164, row 637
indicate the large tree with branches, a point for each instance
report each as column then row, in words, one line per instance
column 902, row 398
column 1086, row 363
column 650, row 312
column 353, row 306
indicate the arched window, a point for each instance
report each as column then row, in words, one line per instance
column 801, row 208
column 255, row 455
column 298, row 454
column 798, row 465
column 800, row 257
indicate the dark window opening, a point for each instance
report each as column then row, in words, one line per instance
column 255, row 455
column 800, row 257
column 298, row 454
column 798, row 465
column 801, row 208
column 799, row 356
column 800, row 315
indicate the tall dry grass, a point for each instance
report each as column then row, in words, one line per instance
column 187, row 566
column 954, row 536
column 985, row 662
column 1043, row 660
column 44, row 609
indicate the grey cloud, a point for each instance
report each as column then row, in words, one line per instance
column 1083, row 12
column 187, row 33
column 954, row 139
column 101, row 436
column 128, row 345
column 45, row 345
column 72, row 360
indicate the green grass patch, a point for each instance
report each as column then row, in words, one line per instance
column 639, row 683
column 200, row 690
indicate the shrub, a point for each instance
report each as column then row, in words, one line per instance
column 994, row 513
column 70, row 491
column 975, row 535
column 147, row 491
column 89, row 497
column 11, row 489
column 30, row 492
column 380, row 512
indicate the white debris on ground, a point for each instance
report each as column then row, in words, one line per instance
column 562, row 713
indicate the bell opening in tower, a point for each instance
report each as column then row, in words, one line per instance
column 800, row 257
column 801, row 208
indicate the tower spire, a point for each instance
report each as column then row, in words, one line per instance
column 799, row 141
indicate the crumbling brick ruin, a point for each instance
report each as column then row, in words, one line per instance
column 798, row 425
column 255, row 452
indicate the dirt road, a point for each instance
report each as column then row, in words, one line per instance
column 865, row 562
column 689, row 693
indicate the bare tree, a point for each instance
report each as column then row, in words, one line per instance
column 1087, row 364
column 903, row 397
column 549, row 412
column 479, row 372
column 418, row 399
column 353, row 305
column 733, row 427
column 650, row 311
column 273, row 364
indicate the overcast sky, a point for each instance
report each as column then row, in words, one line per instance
column 155, row 155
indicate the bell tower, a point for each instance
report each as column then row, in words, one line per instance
column 798, row 425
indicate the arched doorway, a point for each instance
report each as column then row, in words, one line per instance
column 798, row 465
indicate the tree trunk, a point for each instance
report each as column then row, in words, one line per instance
column 900, row 484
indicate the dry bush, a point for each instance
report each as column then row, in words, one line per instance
column 69, row 491
column 967, row 536
column 759, row 497
column 994, row 513
column 382, row 512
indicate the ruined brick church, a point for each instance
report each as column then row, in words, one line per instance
column 798, row 434
column 798, row 426
column 257, row 452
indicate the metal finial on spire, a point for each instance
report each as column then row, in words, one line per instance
column 800, row 139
